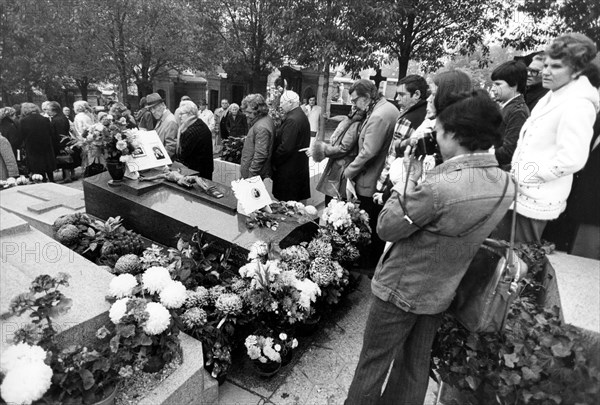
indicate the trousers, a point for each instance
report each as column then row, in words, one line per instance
column 392, row 334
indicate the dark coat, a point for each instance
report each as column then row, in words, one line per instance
column 236, row 127
column 145, row 119
column 534, row 94
column 514, row 115
column 10, row 130
column 291, row 180
column 196, row 149
column 37, row 134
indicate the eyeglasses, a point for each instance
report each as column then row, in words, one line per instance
column 354, row 100
column 533, row 72
column 249, row 112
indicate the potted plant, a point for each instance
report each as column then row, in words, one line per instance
column 143, row 315
column 69, row 375
column 287, row 344
column 265, row 354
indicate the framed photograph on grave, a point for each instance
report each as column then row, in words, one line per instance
column 139, row 152
column 151, row 154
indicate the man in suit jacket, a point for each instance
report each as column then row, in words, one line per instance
column 166, row 126
column 373, row 143
column 291, row 179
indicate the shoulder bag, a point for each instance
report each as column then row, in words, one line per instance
column 491, row 282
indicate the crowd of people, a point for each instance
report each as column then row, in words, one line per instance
column 437, row 173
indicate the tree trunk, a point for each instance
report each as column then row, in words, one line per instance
column 82, row 84
column 324, row 99
column 144, row 87
column 403, row 65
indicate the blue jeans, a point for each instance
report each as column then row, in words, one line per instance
column 405, row 338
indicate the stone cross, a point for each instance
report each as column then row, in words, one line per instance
column 53, row 200
column 378, row 78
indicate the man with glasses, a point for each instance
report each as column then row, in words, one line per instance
column 535, row 90
column 166, row 126
column 291, row 180
column 374, row 141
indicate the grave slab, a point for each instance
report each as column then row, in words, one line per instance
column 30, row 253
column 163, row 212
column 578, row 280
column 41, row 204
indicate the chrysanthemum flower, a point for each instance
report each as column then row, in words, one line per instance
column 122, row 286
column 26, row 383
column 155, row 279
column 118, row 310
column 159, row 318
column 173, row 295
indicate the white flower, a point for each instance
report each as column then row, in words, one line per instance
column 310, row 210
column 122, row 286
column 270, row 352
column 21, row 354
column 173, row 295
column 282, row 336
column 121, row 145
column 249, row 270
column 158, row 320
column 155, row 279
column 294, row 343
column 118, row 310
column 26, row 383
column 309, row 291
column 258, row 249
column 278, row 347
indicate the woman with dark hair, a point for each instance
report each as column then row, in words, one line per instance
column 258, row 145
column 554, row 142
column 38, row 135
column 9, row 128
column 67, row 159
column 433, row 226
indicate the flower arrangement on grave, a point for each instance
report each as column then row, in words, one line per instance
column 281, row 211
column 35, row 366
column 347, row 228
column 112, row 142
column 143, row 315
column 100, row 241
column 232, row 149
column 20, row 181
column 277, row 297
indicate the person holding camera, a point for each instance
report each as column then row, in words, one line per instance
column 434, row 222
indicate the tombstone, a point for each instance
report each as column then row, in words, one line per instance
column 28, row 253
column 41, row 204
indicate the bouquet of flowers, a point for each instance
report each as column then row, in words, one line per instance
column 346, row 228
column 110, row 142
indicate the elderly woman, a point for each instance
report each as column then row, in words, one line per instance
column 8, row 163
column 234, row 123
column 194, row 148
column 39, row 139
column 258, row 145
column 554, row 141
column 84, row 116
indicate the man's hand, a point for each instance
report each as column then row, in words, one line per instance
column 378, row 198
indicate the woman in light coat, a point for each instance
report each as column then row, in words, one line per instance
column 554, row 142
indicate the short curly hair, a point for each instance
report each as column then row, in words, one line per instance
column 474, row 119
column 364, row 87
column 574, row 49
column 256, row 103
column 29, row 108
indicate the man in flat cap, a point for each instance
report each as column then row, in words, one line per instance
column 291, row 179
column 166, row 125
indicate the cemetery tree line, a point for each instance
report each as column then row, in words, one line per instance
column 47, row 43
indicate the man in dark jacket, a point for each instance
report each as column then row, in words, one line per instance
column 535, row 90
column 291, row 179
column 194, row 148
column 509, row 80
